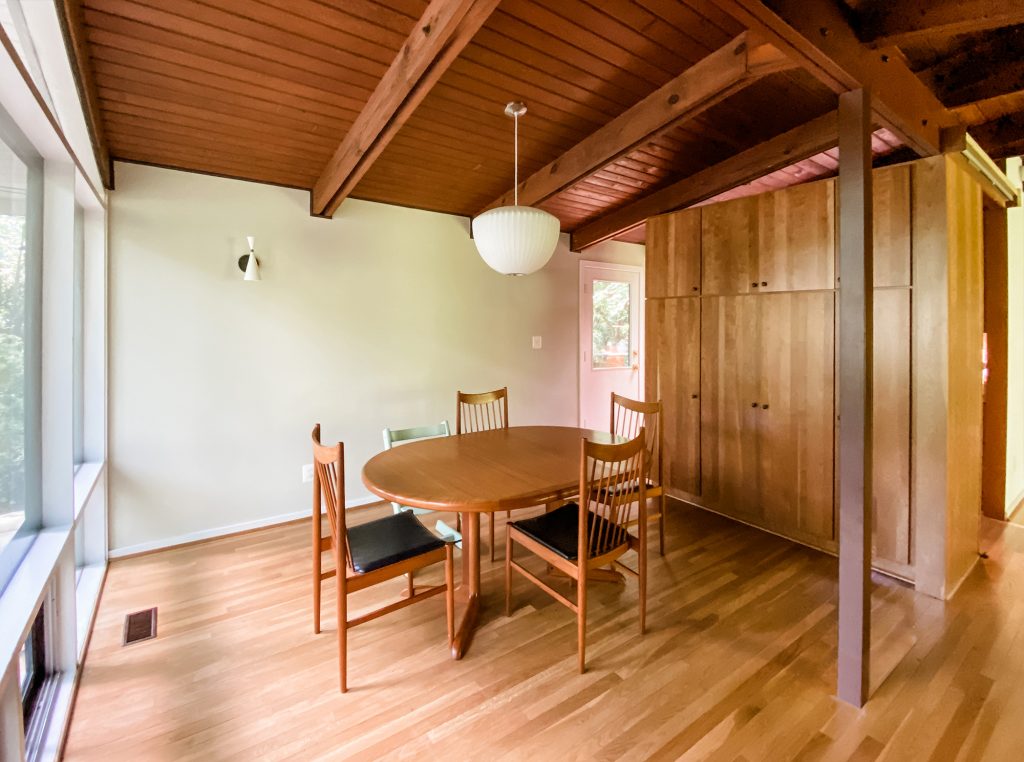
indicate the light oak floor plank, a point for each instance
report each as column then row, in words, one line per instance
column 738, row 662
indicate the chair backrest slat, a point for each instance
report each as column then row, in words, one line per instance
column 329, row 490
column 483, row 411
column 611, row 481
column 394, row 436
column 629, row 417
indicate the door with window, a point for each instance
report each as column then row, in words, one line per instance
column 610, row 339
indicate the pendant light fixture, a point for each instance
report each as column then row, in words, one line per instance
column 516, row 240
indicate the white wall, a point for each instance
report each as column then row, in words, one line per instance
column 1015, row 350
column 372, row 319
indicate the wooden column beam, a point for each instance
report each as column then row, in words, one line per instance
column 715, row 77
column 437, row 39
column 69, row 13
column 819, row 38
column 778, row 152
column 856, row 308
column 899, row 22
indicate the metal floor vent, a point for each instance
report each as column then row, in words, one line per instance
column 139, row 626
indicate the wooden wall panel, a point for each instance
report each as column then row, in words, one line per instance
column 673, row 254
column 729, row 246
column 891, row 443
column 993, row 486
column 796, row 238
column 730, row 381
column 891, row 187
column 673, row 376
column 796, row 413
column 966, row 323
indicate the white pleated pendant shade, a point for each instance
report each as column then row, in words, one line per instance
column 516, row 240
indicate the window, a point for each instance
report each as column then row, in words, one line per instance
column 611, row 330
column 32, row 666
column 78, row 358
column 20, row 273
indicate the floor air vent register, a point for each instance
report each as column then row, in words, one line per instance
column 139, row 626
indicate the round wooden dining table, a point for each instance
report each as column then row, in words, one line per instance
column 499, row 470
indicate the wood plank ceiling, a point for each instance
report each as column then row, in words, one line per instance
column 265, row 90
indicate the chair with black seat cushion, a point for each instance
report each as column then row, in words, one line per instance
column 581, row 537
column 482, row 411
column 629, row 417
column 370, row 553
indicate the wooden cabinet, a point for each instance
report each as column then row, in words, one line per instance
column 891, row 188
column 796, row 238
column 673, row 376
column 730, row 383
column 796, row 413
column 891, row 435
column 673, row 254
column 729, row 246
column 768, row 409
column 781, row 241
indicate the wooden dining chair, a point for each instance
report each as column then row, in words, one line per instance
column 629, row 417
column 369, row 553
column 482, row 411
column 581, row 537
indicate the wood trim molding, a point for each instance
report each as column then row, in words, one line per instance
column 440, row 35
column 734, row 66
column 69, row 13
column 781, row 151
column 818, row 37
column 898, row 22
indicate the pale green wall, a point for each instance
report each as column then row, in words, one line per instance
column 374, row 318
column 1015, row 351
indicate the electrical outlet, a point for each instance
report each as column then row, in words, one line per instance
column 536, row 342
column 307, row 473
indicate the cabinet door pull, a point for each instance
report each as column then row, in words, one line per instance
column 693, row 396
column 696, row 288
column 753, row 285
column 764, row 283
column 764, row 407
column 753, row 404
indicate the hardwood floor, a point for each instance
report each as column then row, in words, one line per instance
column 737, row 664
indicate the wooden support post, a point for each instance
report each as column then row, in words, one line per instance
column 856, row 306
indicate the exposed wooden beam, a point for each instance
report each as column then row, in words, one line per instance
column 899, row 22
column 440, row 35
column 1001, row 137
column 715, row 77
column 980, row 70
column 72, row 27
column 856, row 309
column 818, row 36
column 778, row 152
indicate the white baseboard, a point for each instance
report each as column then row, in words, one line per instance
column 245, row 526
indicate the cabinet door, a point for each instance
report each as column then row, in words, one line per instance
column 673, row 352
column 729, row 246
column 891, row 192
column 796, row 414
column 729, row 384
column 673, row 254
column 891, row 435
column 796, row 233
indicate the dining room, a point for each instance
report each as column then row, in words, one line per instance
column 511, row 379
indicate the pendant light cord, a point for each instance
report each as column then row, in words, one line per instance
column 516, row 117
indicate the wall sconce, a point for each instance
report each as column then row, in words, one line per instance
column 248, row 263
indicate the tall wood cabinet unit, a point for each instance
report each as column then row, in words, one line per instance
column 742, row 335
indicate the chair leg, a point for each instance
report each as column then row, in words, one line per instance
column 642, row 579
column 661, row 524
column 342, row 626
column 508, row 573
column 317, row 572
column 449, row 594
column 493, row 517
column 581, row 620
